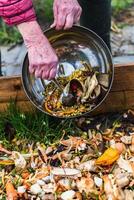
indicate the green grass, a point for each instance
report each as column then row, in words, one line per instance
column 44, row 10
column 33, row 127
column 8, row 34
column 121, row 5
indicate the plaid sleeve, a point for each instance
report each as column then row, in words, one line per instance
column 17, row 11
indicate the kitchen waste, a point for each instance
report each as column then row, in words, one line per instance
column 99, row 164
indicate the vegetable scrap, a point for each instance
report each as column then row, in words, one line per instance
column 97, row 165
column 82, row 90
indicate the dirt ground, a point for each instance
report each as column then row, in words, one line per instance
column 122, row 33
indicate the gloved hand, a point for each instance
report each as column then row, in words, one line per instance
column 66, row 13
column 42, row 57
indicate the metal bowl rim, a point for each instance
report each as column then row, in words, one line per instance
column 83, row 114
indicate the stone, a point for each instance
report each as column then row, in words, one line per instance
column 12, row 59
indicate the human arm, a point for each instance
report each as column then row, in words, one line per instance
column 42, row 58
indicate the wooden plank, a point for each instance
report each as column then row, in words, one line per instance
column 121, row 96
column 116, row 101
column 123, row 78
column 24, row 106
column 11, row 87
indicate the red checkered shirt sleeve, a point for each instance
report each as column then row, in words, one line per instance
column 17, row 11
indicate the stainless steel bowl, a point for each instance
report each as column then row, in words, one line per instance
column 79, row 44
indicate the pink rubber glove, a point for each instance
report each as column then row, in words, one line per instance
column 42, row 57
column 66, row 13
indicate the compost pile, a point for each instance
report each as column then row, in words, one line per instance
column 82, row 91
column 97, row 165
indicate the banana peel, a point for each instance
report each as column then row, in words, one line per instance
column 108, row 157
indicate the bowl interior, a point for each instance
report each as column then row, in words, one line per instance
column 73, row 47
